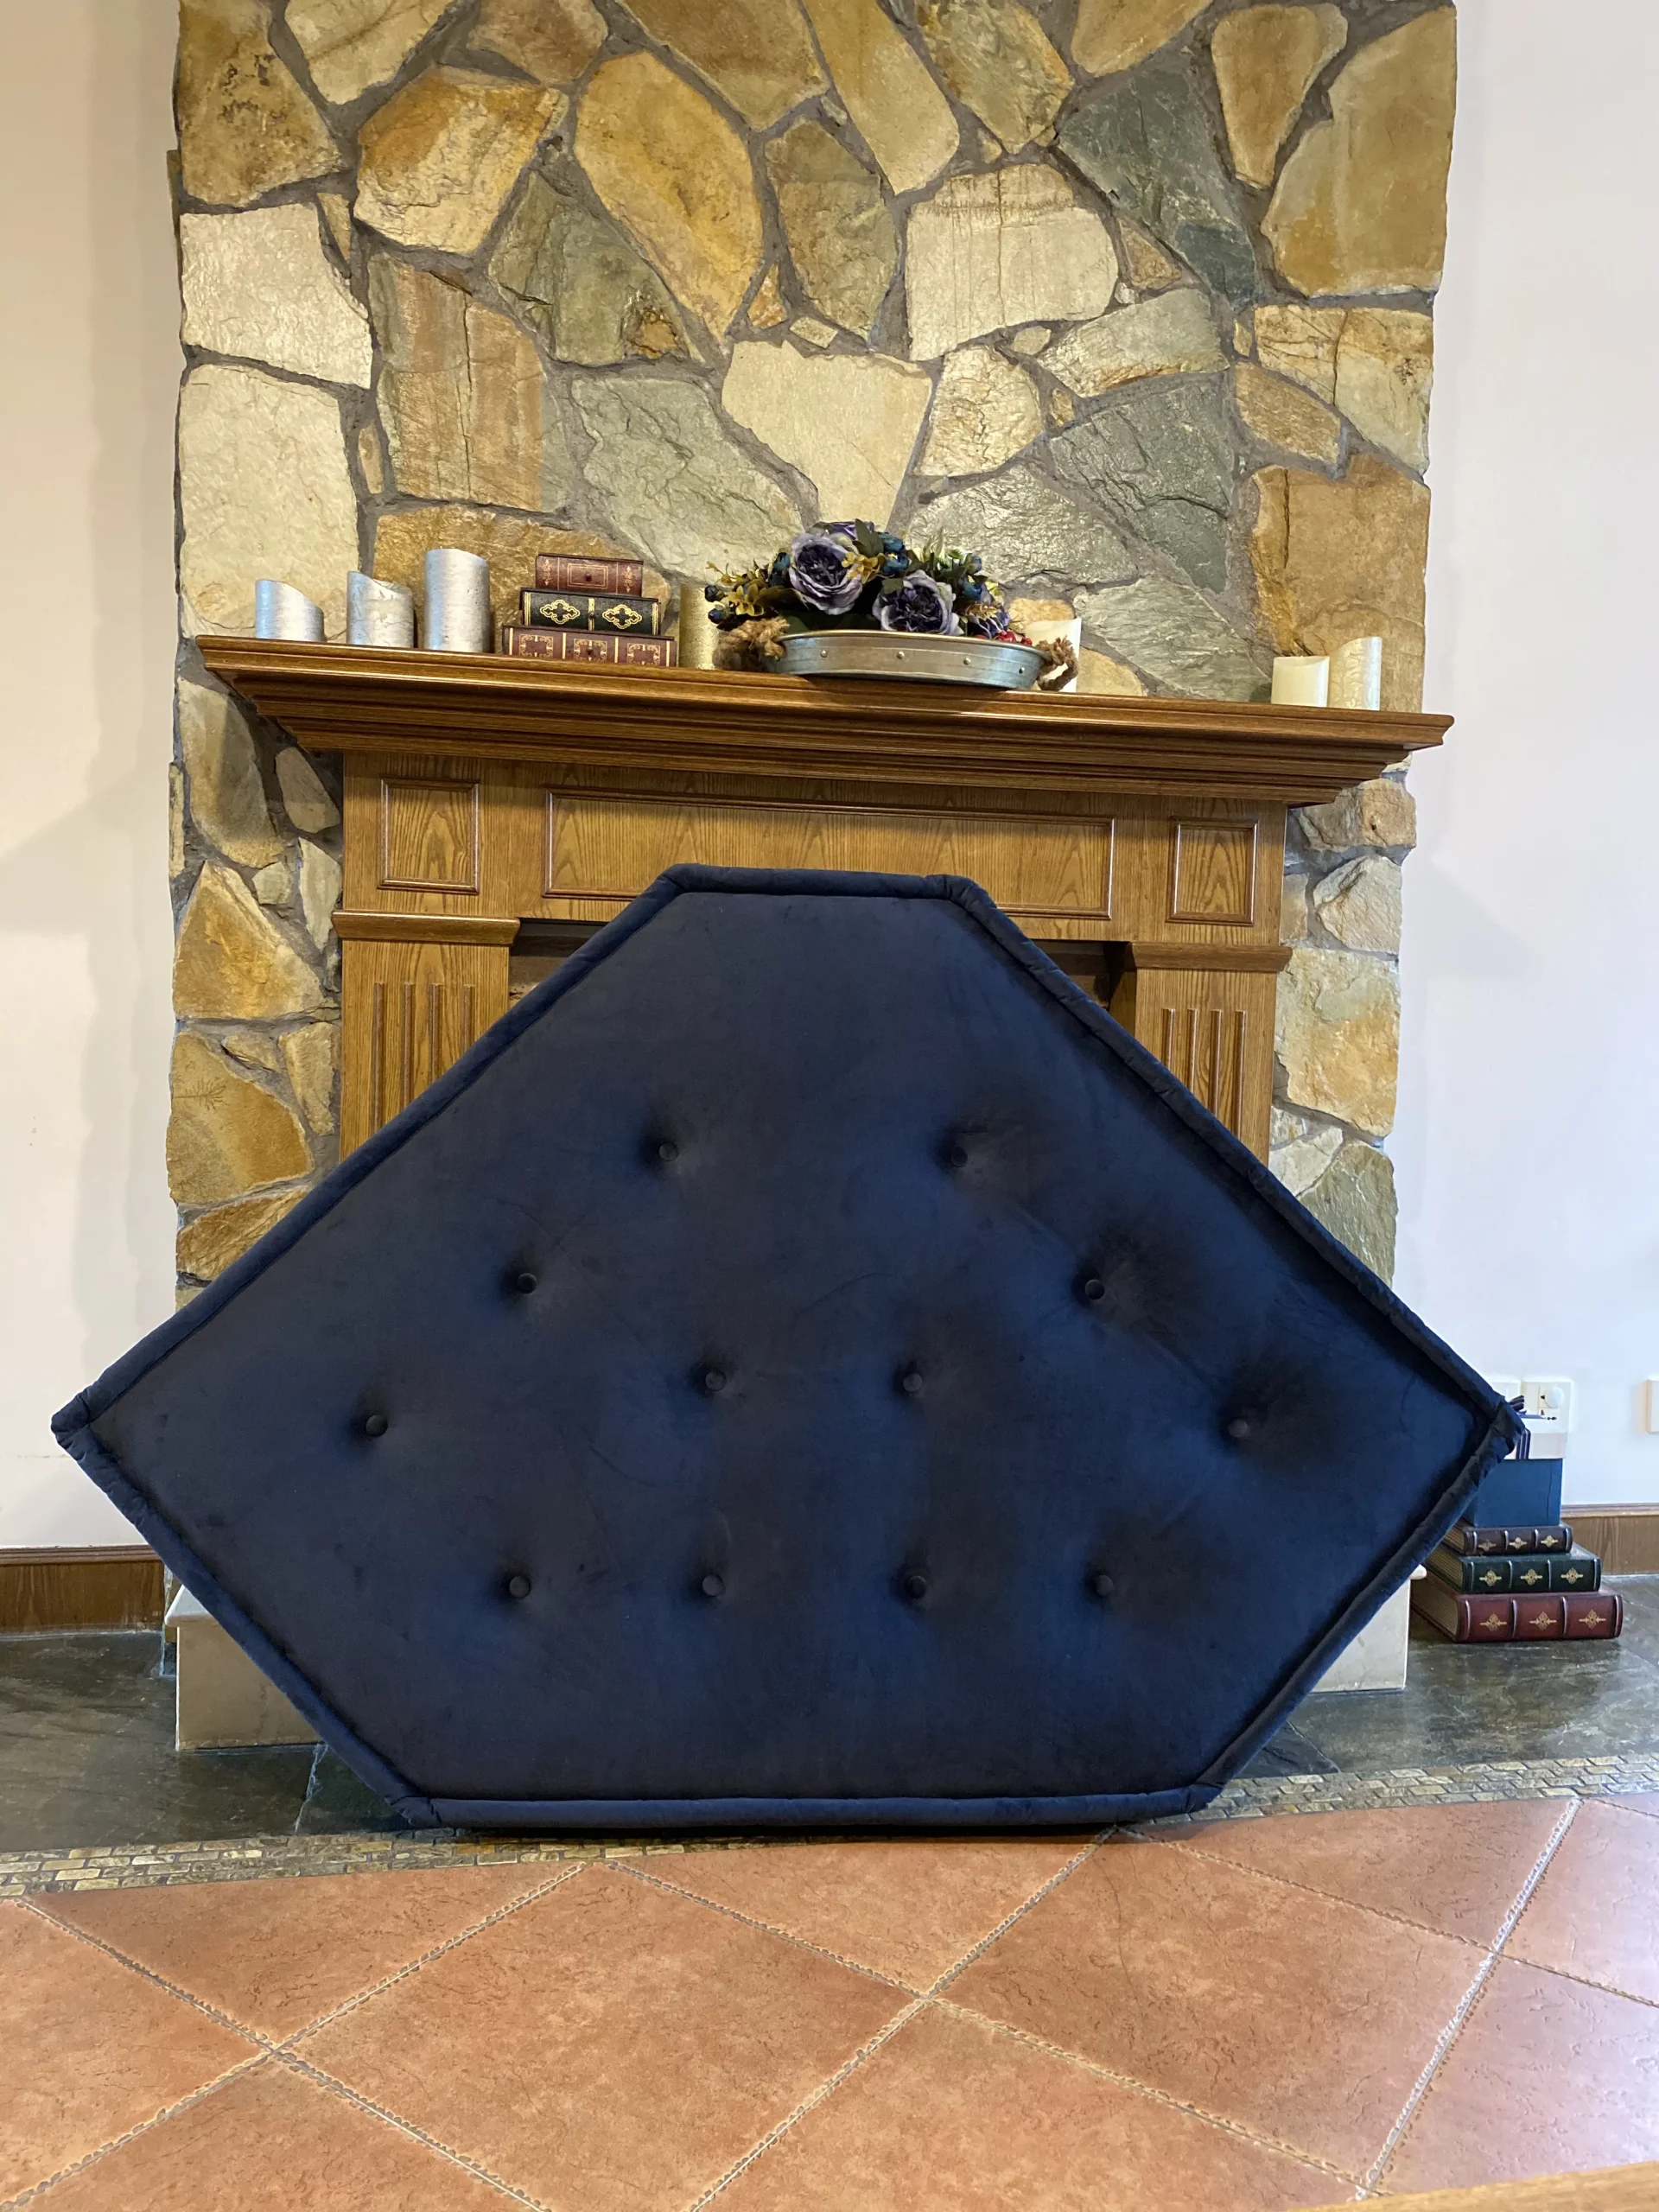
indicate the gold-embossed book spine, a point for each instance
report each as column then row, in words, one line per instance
column 610, row 615
column 523, row 642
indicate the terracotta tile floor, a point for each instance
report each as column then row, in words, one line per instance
column 1236, row 2016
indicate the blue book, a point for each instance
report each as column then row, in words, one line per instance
column 1518, row 1492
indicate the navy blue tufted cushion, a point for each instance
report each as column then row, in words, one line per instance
column 805, row 1365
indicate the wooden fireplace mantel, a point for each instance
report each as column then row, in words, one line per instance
column 1140, row 840
column 357, row 699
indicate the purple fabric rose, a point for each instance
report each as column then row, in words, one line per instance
column 824, row 572
column 920, row 603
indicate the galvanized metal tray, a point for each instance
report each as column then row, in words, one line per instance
column 911, row 657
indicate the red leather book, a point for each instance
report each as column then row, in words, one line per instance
column 525, row 643
column 580, row 572
column 1571, row 1615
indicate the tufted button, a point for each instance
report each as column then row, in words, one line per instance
column 1238, row 1428
column 713, row 1381
column 1101, row 1583
column 915, row 1584
column 517, row 1586
column 668, row 1152
column 911, row 1381
column 957, row 1155
column 1094, row 1289
column 375, row 1425
column 712, row 1585
column 524, row 1282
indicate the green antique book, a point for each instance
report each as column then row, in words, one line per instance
column 1525, row 1574
column 613, row 614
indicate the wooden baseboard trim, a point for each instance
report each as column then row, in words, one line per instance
column 1626, row 1537
column 105, row 1586
column 1610, row 2188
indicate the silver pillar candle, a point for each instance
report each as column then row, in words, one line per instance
column 379, row 613
column 279, row 611
column 457, row 615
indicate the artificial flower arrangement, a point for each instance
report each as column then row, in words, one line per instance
column 850, row 575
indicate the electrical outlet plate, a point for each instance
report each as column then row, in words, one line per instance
column 1547, row 1402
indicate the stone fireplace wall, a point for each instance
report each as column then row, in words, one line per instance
column 1133, row 295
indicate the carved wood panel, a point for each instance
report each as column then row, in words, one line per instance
column 1201, row 873
column 429, row 835
column 1212, row 873
column 1212, row 1029
column 600, row 851
column 1204, row 1046
column 409, row 1011
column 428, row 838
column 454, row 850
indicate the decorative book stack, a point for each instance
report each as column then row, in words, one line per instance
column 584, row 609
column 1515, row 1585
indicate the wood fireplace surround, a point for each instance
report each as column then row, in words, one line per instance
column 491, row 803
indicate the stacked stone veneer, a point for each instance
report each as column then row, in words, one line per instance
column 1131, row 295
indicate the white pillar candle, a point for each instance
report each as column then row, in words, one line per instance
column 1357, row 674
column 1300, row 680
column 457, row 615
column 279, row 611
column 379, row 613
column 1049, row 631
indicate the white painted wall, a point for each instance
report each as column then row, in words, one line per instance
column 88, row 380
column 1527, row 1146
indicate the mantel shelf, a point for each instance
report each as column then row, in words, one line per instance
column 712, row 722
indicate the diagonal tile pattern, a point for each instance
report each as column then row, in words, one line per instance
column 950, row 2115
column 271, row 2140
column 1547, row 2076
column 274, row 1956
column 909, row 1910
column 1235, row 2017
column 611, row 2047
column 1460, row 1869
column 1595, row 1915
column 1300, row 2017
column 92, row 2049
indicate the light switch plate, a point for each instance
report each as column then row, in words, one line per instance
column 1651, row 1405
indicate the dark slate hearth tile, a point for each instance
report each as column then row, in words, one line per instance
column 87, row 1753
column 337, row 1803
column 1290, row 1753
column 1469, row 1704
column 1641, row 1596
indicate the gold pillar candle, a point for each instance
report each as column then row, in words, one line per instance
column 698, row 633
